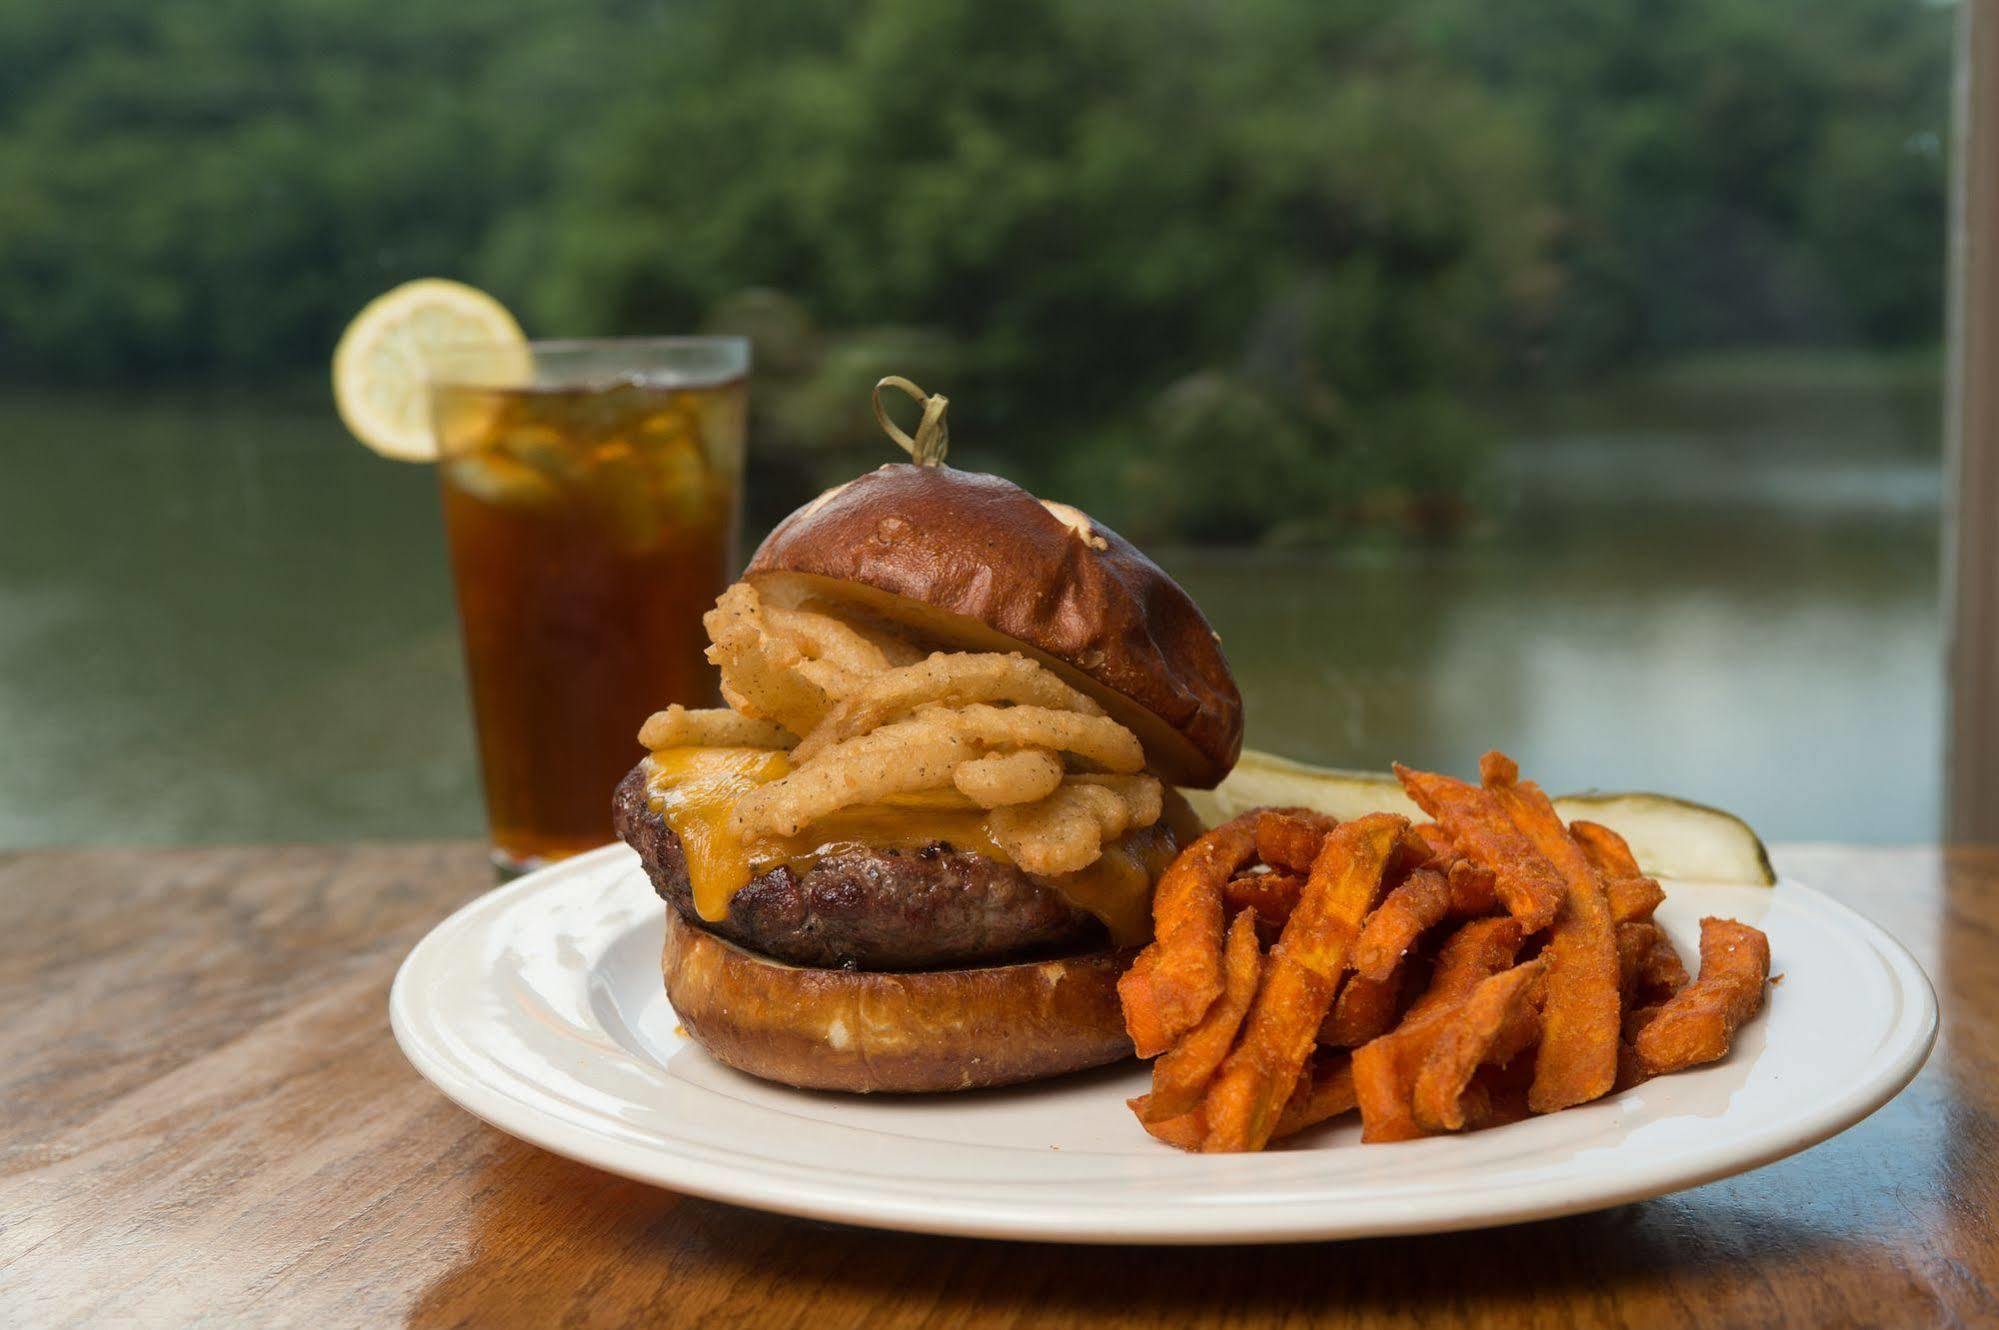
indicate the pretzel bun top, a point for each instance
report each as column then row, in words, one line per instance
column 972, row 562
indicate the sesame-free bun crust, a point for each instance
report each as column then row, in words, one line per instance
column 974, row 562
column 873, row 1031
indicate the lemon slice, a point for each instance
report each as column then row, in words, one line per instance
column 381, row 367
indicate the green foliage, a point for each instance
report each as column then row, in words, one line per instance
column 1732, row 173
column 211, row 188
column 1090, row 210
column 1221, row 272
column 814, row 422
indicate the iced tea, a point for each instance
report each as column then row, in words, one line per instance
column 591, row 515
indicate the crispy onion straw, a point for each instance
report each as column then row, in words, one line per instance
column 952, row 679
column 824, row 638
column 1096, row 739
column 873, row 721
column 896, row 759
column 761, row 673
column 1067, row 830
column 999, row 779
column 710, row 727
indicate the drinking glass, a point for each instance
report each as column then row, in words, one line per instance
column 592, row 493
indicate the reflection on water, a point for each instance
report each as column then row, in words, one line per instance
column 222, row 621
column 1789, row 672
column 226, row 622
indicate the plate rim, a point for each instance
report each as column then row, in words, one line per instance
column 832, row 1201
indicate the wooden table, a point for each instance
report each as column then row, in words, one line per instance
column 204, row 1118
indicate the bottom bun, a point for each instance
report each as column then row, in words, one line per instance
column 870, row 1030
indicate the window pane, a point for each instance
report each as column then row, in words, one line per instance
column 1553, row 376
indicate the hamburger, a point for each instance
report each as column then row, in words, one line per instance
column 918, row 847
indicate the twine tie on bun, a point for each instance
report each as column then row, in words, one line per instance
column 932, row 439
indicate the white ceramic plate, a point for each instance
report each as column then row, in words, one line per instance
column 540, row 1008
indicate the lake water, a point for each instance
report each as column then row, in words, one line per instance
column 223, row 621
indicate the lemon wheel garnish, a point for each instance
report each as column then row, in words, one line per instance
column 381, row 367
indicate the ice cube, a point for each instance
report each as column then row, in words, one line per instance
column 550, row 451
column 625, row 494
column 722, row 414
column 494, row 477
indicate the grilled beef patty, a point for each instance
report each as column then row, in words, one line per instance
column 926, row 908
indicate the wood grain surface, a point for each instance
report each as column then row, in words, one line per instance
column 204, row 1120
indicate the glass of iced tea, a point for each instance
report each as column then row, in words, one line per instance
column 591, row 497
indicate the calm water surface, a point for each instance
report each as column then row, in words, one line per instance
column 222, row 621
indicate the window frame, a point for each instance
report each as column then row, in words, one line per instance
column 1971, row 523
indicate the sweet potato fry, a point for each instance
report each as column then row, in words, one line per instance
column 1182, row 1073
column 1359, row 917
column 1438, row 841
column 1649, row 969
column 1325, row 1090
column 1637, row 1018
column 1577, row 1061
column 1411, row 852
column 1257, row 1079
column 1288, row 839
column 1169, row 988
column 1184, row 1131
column 1474, row 891
column 1630, row 1072
column 1633, row 896
column 1384, row 1078
column 1492, row 1025
column 1385, row 1070
column 1272, row 895
column 1503, row 1089
column 1474, row 952
column 1365, row 1009
column 1609, row 853
column 1698, row 1023
column 1633, row 900
column 1521, row 1031
column 1405, row 913
column 1526, row 882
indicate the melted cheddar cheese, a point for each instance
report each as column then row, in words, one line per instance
column 696, row 789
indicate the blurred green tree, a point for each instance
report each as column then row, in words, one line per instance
column 1241, row 271
column 211, row 188
column 1731, row 174
column 1300, row 199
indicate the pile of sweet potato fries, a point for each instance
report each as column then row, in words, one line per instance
column 1471, row 970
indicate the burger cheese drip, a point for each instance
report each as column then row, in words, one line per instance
column 839, row 734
